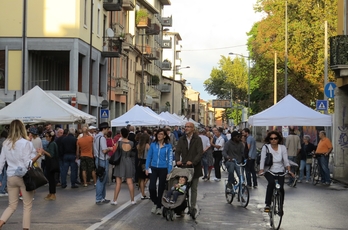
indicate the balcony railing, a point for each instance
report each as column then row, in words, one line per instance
column 153, row 30
column 166, row 65
column 339, row 52
column 112, row 5
column 149, row 52
column 128, row 5
column 164, row 88
column 121, row 86
column 167, row 21
column 167, row 44
column 112, row 48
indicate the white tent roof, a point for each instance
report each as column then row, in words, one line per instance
column 171, row 120
column 176, row 117
column 290, row 111
column 138, row 116
column 37, row 106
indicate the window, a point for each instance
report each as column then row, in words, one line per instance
column 98, row 22
column 85, row 14
column 2, row 69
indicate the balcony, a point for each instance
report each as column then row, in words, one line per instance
column 112, row 48
column 167, row 21
column 339, row 54
column 153, row 30
column 163, row 88
column 118, row 30
column 167, row 44
column 112, row 5
column 166, row 65
column 145, row 23
column 121, row 86
column 149, row 52
column 128, row 5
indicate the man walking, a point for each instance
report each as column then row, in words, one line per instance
column 101, row 161
column 218, row 144
column 190, row 149
column 69, row 152
column 293, row 145
column 324, row 148
column 250, row 165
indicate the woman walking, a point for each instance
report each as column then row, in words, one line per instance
column 126, row 167
column 307, row 150
column 160, row 161
column 51, row 167
column 142, row 147
column 17, row 152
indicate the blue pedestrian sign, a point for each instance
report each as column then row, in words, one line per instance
column 322, row 105
column 104, row 113
column 329, row 90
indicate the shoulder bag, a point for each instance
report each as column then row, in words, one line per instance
column 116, row 156
column 269, row 157
column 34, row 178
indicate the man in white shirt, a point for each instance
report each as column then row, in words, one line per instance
column 217, row 154
column 206, row 146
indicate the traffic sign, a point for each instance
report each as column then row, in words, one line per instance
column 329, row 89
column 322, row 105
column 73, row 101
column 104, row 113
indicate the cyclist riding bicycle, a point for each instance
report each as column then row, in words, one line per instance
column 274, row 142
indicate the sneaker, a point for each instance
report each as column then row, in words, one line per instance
column 267, row 208
column 255, row 186
column 299, row 181
column 144, row 197
column 307, row 181
column 178, row 215
column 217, row 179
column 104, row 201
column 3, row 194
column 327, row 183
column 113, row 202
column 172, row 202
column 85, row 185
column 158, row 211
column 166, row 199
column 153, row 209
column 133, row 202
column 21, row 198
column 74, row 186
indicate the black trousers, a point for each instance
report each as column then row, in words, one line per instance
column 51, row 181
column 156, row 194
column 217, row 158
column 250, row 172
column 271, row 184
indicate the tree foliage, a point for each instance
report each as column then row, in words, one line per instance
column 305, row 49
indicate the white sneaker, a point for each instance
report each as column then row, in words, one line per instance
column 3, row 194
column 113, row 202
column 153, row 209
column 158, row 211
column 216, row 179
column 133, row 202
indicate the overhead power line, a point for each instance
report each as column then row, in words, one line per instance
column 220, row 48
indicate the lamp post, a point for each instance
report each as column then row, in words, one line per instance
column 286, row 49
column 174, row 73
column 247, row 57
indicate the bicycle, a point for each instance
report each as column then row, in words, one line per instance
column 315, row 169
column 276, row 209
column 239, row 188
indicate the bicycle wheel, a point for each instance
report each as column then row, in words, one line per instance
column 244, row 196
column 315, row 174
column 229, row 195
column 277, row 211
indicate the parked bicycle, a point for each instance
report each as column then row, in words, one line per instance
column 276, row 209
column 238, row 188
column 316, row 177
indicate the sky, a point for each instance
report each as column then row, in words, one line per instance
column 208, row 30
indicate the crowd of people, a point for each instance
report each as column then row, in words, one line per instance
column 147, row 155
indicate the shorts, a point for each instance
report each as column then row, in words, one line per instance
column 87, row 164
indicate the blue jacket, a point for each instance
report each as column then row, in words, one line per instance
column 160, row 157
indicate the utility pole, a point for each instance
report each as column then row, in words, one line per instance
column 275, row 78
column 286, row 48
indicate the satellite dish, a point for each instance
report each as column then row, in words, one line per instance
column 110, row 33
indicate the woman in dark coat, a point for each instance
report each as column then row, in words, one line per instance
column 307, row 150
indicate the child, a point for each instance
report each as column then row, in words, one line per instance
column 176, row 190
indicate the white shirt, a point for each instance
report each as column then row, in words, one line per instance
column 100, row 146
column 220, row 141
column 205, row 141
column 19, row 156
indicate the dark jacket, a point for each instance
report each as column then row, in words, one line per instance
column 306, row 150
column 233, row 150
column 193, row 154
column 69, row 144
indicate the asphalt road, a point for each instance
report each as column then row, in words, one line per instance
column 306, row 207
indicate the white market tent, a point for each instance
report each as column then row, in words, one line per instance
column 290, row 111
column 37, row 106
column 171, row 120
column 138, row 116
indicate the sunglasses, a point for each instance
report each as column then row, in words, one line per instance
column 273, row 138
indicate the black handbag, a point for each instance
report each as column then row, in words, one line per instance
column 269, row 158
column 116, row 156
column 34, row 178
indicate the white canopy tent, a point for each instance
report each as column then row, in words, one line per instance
column 138, row 116
column 176, row 117
column 171, row 120
column 290, row 111
column 37, row 106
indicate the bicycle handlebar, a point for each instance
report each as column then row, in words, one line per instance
column 272, row 173
column 240, row 164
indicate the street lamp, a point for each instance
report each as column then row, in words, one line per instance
column 247, row 57
column 174, row 72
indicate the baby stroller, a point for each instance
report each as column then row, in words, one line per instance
column 182, row 202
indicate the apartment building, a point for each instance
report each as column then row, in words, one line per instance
column 193, row 104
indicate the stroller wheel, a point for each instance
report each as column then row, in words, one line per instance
column 171, row 215
column 193, row 213
column 164, row 212
column 168, row 215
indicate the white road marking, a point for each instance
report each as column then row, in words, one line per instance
column 112, row 214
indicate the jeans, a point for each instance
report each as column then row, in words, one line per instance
column 3, row 180
column 231, row 167
column 100, row 190
column 250, row 171
column 325, row 172
column 217, row 158
column 69, row 161
column 304, row 165
column 156, row 195
column 205, row 166
column 292, row 168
